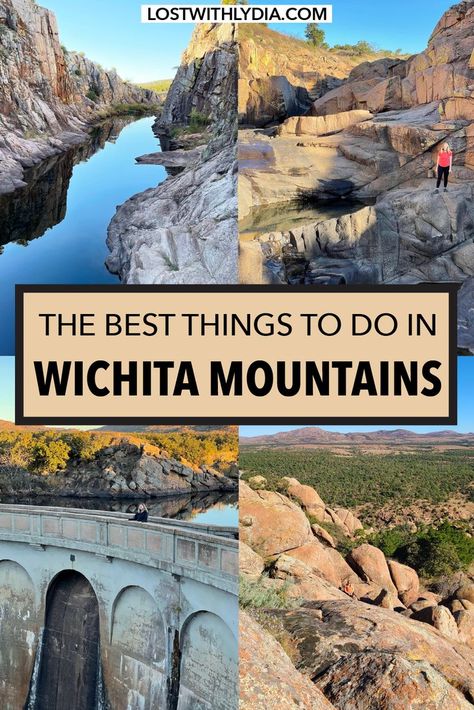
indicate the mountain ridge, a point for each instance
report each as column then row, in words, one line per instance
column 317, row 435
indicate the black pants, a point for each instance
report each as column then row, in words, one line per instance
column 442, row 173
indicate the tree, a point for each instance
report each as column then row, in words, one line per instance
column 49, row 455
column 314, row 35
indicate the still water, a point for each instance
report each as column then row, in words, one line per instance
column 54, row 230
column 212, row 508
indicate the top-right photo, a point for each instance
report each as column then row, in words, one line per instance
column 356, row 150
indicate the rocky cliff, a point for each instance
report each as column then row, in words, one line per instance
column 281, row 76
column 360, row 630
column 375, row 138
column 185, row 230
column 48, row 96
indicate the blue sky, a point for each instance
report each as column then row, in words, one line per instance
column 111, row 32
column 406, row 24
column 465, row 396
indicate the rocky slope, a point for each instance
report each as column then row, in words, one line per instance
column 384, row 641
column 281, row 76
column 125, row 469
column 48, row 96
column 396, row 115
column 185, row 230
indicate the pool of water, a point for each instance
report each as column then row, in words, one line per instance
column 283, row 216
column 212, row 508
column 54, row 230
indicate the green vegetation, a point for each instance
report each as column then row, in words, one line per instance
column 160, row 86
column 92, row 95
column 197, row 447
column 362, row 48
column 432, row 551
column 197, row 123
column 255, row 594
column 358, row 479
column 48, row 452
column 315, row 35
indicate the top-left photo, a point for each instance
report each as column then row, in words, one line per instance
column 117, row 149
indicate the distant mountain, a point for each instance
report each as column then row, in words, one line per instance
column 5, row 425
column 162, row 429
column 312, row 436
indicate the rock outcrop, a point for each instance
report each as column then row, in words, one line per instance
column 185, row 230
column 359, row 626
column 264, row 511
column 375, row 139
column 267, row 675
column 129, row 470
column 48, row 96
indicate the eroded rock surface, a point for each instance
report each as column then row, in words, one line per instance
column 48, row 96
column 185, row 230
column 267, row 675
column 404, row 231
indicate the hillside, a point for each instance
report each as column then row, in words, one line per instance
column 315, row 436
column 281, row 75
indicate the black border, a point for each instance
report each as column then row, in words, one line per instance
column 448, row 288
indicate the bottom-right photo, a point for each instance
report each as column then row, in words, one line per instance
column 357, row 565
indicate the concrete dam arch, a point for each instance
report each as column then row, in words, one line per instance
column 96, row 607
column 70, row 653
column 18, row 631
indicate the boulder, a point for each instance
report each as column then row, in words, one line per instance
column 440, row 617
column 466, row 591
column 325, row 562
column 322, row 125
column 465, row 623
column 257, row 483
column 305, row 584
column 387, row 680
column 304, row 495
column 267, row 676
column 352, row 523
column 323, row 535
column 370, row 564
column 250, row 563
column 349, row 630
column 270, row 522
column 406, row 581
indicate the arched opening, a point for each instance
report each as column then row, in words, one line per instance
column 208, row 676
column 134, row 661
column 18, row 632
column 69, row 670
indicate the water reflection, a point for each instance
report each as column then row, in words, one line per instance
column 206, row 508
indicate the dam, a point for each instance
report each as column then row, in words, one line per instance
column 100, row 612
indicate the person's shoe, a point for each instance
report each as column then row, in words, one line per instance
column 445, row 189
column 436, row 189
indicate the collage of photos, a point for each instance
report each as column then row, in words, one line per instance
column 207, row 567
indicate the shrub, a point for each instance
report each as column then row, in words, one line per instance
column 254, row 594
column 314, row 35
column 92, row 95
column 197, row 120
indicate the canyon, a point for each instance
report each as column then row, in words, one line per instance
column 368, row 139
column 49, row 96
column 185, row 230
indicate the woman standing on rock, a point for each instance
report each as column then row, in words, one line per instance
column 443, row 165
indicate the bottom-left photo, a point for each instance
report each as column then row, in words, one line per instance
column 118, row 565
